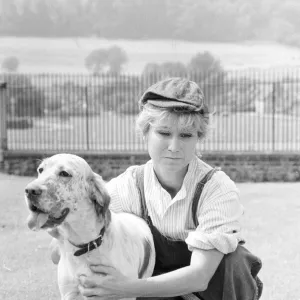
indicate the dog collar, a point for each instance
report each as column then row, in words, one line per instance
column 84, row 248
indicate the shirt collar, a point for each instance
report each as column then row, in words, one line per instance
column 187, row 181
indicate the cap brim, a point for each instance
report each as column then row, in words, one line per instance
column 173, row 104
column 163, row 103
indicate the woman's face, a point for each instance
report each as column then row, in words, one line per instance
column 171, row 145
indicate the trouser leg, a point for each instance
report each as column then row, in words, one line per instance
column 235, row 279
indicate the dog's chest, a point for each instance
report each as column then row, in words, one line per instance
column 79, row 265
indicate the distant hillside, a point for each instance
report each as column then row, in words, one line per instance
column 54, row 55
column 218, row 20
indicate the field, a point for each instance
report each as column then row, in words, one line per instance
column 112, row 132
column 271, row 224
column 59, row 55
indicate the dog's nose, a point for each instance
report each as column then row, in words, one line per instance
column 33, row 192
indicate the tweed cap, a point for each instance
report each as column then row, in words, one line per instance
column 176, row 93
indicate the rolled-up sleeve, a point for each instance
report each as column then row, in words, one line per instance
column 219, row 220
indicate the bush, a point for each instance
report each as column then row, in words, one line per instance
column 119, row 94
column 30, row 103
column 24, row 99
column 19, row 123
column 173, row 69
column 153, row 72
column 127, row 107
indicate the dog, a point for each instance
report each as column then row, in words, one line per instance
column 70, row 199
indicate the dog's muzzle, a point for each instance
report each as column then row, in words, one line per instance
column 39, row 218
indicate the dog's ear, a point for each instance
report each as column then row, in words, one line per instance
column 99, row 195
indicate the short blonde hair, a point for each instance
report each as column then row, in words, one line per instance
column 151, row 114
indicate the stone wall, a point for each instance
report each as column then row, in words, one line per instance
column 241, row 167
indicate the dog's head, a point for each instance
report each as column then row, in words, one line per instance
column 66, row 189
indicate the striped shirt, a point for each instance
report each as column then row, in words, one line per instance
column 219, row 210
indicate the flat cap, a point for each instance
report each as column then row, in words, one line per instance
column 174, row 92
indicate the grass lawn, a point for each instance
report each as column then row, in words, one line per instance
column 271, row 225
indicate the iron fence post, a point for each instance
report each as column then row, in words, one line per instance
column 3, row 124
column 273, row 114
column 87, row 118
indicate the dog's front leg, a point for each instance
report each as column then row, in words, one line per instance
column 72, row 296
column 69, row 291
column 67, row 282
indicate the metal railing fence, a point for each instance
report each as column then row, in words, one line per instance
column 65, row 112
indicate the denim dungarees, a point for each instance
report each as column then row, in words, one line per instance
column 236, row 276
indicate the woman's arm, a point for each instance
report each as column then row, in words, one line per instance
column 193, row 278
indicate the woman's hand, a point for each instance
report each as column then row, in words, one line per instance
column 105, row 283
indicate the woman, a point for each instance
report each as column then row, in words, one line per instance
column 192, row 209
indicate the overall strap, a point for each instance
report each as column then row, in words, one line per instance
column 140, row 170
column 198, row 191
column 140, row 185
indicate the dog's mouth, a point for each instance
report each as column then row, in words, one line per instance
column 40, row 219
column 35, row 209
column 53, row 222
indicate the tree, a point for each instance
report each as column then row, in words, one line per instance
column 204, row 66
column 10, row 64
column 96, row 61
column 112, row 59
column 116, row 58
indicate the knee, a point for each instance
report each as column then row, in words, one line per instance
column 234, row 258
column 241, row 260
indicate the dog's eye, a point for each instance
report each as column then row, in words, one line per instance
column 40, row 170
column 64, row 174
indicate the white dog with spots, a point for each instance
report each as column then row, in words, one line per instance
column 69, row 198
